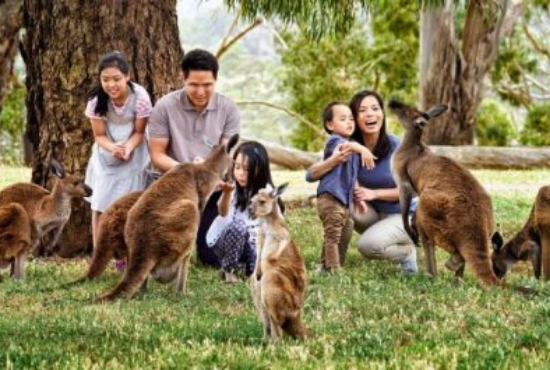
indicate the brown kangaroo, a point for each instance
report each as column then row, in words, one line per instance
column 110, row 237
column 161, row 228
column 15, row 238
column 279, row 279
column 454, row 211
column 532, row 242
column 47, row 211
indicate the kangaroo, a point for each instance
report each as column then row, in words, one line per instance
column 162, row 226
column 110, row 238
column 47, row 211
column 15, row 238
column 532, row 242
column 279, row 279
column 454, row 211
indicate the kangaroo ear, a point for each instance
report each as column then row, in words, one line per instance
column 57, row 169
column 279, row 190
column 436, row 110
column 232, row 142
column 497, row 241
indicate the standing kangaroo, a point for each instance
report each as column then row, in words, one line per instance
column 532, row 242
column 279, row 279
column 162, row 226
column 453, row 212
column 15, row 238
column 47, row 211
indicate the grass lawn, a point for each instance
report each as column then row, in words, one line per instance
column 368, row 316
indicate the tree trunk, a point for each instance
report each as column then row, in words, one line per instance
column 11, row 19
column 63, row 43
column 457, row 79
column 469, row 156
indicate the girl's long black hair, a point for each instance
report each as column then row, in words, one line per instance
column 259, row 173
column 383, row 146
column 112, row 59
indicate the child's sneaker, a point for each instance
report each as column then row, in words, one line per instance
column 120, row 265
column 409, row 265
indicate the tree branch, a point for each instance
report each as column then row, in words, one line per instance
column 227, row 43
column 290, row 112
column 536, row 44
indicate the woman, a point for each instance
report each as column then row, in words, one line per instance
column 383, row 235
column 118, row 110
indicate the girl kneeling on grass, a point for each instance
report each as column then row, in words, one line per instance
column 232, row 235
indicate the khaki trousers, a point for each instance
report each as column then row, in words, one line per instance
column 338, row 227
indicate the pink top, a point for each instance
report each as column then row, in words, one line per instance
column 143, row 104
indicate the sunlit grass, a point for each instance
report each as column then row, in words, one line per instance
column 368, row 316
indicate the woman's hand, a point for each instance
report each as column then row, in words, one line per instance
column 341, row 153
column 360, row 193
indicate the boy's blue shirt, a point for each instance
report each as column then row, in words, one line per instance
column 339, row 181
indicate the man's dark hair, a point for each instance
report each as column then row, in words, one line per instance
column 199, row 60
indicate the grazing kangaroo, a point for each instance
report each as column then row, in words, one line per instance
column 47, row 211
column 453, row 212
column 532, row 242
column 162, row 226
column 15, row 238
column 279, row 279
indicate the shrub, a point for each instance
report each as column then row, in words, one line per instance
column 494, row 125
column 537, row 126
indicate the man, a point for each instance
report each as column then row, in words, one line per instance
column 183, row 119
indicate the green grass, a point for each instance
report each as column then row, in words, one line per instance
column 368, row 316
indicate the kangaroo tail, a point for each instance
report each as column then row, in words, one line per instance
column 136, row 274
column 478, row 258
column 103, row 253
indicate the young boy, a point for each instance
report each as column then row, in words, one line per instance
column 335, row 191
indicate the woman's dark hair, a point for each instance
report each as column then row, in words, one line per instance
column 112, row 59
column 259, row 174
column 328, row 114
column 383, row 146
column 199, row 60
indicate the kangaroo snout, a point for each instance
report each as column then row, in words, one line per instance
column 87, row 190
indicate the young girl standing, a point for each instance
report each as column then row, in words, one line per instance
column 232, row 235
column 118, row 110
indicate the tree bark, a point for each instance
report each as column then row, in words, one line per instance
column 457, row 78
column 63, row 43
column 11, row 19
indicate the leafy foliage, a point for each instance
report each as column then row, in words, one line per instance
column 318, row 17
column 537, row 126
column 317, row 72
column 12, row 124
column 494, row 126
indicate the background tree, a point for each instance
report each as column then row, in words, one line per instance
column 378, row 54
column 453, row 65
column 63, row 42
column 10, row 24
